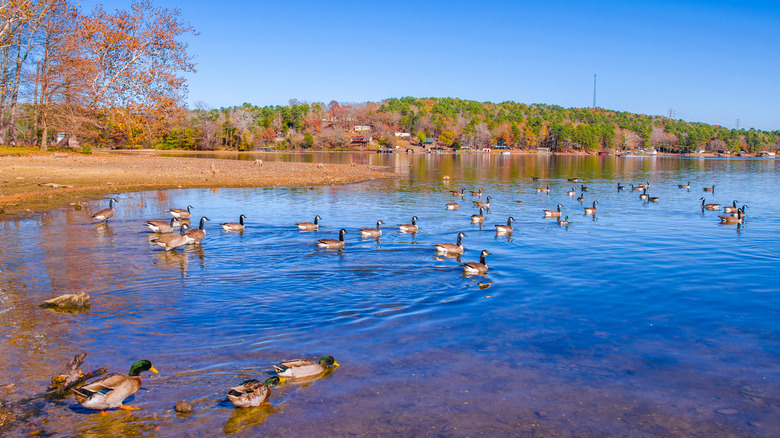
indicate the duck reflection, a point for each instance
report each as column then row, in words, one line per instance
column 244, row 418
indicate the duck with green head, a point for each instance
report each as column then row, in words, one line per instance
column 302, row 368
column 109, row 391
column 253, row 393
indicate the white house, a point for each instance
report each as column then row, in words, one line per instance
column 362, row 128
column 403, row 134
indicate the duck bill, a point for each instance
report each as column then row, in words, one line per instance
column 336, row 365
column 154, row 370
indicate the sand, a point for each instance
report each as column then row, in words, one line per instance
column 38, row 183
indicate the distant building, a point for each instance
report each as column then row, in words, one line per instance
column 361, row 128
column 403, row 134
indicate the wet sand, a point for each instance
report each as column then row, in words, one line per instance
column 37, row 183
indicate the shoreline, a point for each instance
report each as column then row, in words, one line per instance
column 35, row 184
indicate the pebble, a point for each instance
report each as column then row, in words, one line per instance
column 183, row 407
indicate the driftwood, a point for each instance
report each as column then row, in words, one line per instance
column 72, row 375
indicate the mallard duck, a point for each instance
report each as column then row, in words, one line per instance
column 109, row 391
column 252, row 393
column 409, row 228
column 474, row 268
column 591, row 210
column 232, row 226
column 505, row 229
column 372, row 232
column 709, row 189
column 485, row 204
column 452, row 206
column 543, row 189
column 309, row 226
column 161, row 227
column 553, row 213
column 563, row 222
column 197, row 234
column 684, row 186
column 107, row 213
column 451, row 248
column 173, row 241
column 709, row 206
column 180, row 213
column 731, row 209
column 478, row 218
column 302, row 368
column 332, row 243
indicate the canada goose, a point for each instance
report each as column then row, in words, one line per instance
column 574, row 180
column 571, row 192
column 684, row 186
column 179, row 213
column 172, row 241
column 303, row 368
column 583, row 188
column 161, row 227
column 477, row 193
column 564, row 222
column 709, row 189
column 534, row 178
column 742, row 210
column 452, row 206
column 553, row 213
column 107, row 213
column 309, row 226
column 451, row 248
column 645, row 185
column 232, row 226
column 252, row 393
column 197, row 234
column 109, row 391
column 543, row 189
column 458, row 193
column 485, row 204
column 409, row 228
column 731, row 209
column 333, row 243
column 620, row 187
column 474, row 268
column 639, row 187
column 653, row 199
column 730, row 220
column 709, row 206
column 372, row 232
column 591, row 210
column 478, row 218
column 581, row 198
column 505, row 229
column 644, row 195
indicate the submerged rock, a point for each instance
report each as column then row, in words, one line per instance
column 183, row 407
column 78, row 301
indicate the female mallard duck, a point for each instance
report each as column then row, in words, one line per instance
column 505, row 229
column 474, row 268
column 553, row 213
column 309, row 226
column 458, row 193
column 451, row 248
column 197, row 234
column 109, row 391
column 302, row 368
column 571, row 192
column 180, row 213
column 591, row 210
column 477, row 193
column 173, row 241
column 332, row 243
column 232, row 226
column 710, row 189
column 684, row 186
column 161, row 227
column 485, row 204
column 731, row 209
column 372, row 232
column 709, row 206
column 478, row 218
column 644, row 195
column 107, row 213
column 252, row 393
column 452, row 206
column 731, row 220
column 564, row 222
column 543, row 189
column 409, row 228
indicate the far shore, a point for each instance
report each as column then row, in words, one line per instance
column 38, row 183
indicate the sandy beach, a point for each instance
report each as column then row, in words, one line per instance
column 37, row 183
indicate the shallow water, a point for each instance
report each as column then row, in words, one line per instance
column 645, row 320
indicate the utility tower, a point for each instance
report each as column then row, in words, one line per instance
column 594, row 91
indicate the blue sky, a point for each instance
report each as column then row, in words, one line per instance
column 708, row 61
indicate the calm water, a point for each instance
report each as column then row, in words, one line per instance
column 647, row 320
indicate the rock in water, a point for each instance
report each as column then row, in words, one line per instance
column 79, row 300
column 183, row 407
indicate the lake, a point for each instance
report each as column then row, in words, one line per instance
column 645, row 319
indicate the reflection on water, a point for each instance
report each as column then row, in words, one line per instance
column 646, row 319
